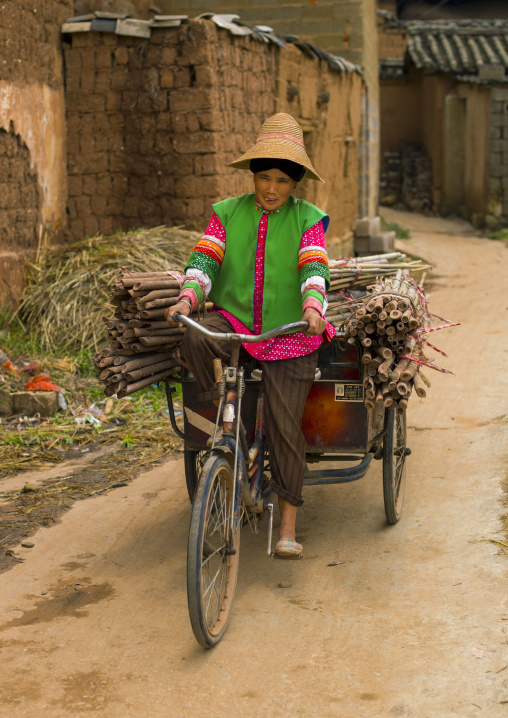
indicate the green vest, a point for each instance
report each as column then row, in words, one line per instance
column 233, row 288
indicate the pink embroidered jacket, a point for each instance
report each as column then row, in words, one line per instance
column 206, row 260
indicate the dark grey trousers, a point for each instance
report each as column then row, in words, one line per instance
column 287, row 383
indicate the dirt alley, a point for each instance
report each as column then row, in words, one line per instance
column 412, row 621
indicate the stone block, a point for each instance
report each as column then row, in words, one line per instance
column 192, row 54
column 91, row 226
column 167, row 78
column 497, row 145
column 200, row 142
column 499, row 93
column 191, row 99
column 205, row 76
column 361, row 245
column 121, row 56
column 491, row 73
column 368, row 227
column 168, row 56
column 106, row 225
column 383, row 242
column 5, row 403
column 113, row 101
column 29, row 403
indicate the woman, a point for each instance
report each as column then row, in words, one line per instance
column 263, row 262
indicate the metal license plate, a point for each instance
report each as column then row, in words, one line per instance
column 348, row 392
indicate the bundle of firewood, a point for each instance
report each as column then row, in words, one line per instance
column 361, row 272
column 385, row 325
column 141, row 343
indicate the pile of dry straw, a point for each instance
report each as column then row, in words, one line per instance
column 67, row 291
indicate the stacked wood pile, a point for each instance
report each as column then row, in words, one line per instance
column 141, row 343
column 350, row 277
column 386, row 325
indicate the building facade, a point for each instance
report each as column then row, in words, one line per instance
column 33, row 162
column 444, row 93
column 343, row 28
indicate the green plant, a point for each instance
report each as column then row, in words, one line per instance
column 128, row 441
column 400, row 232
column 500, row 234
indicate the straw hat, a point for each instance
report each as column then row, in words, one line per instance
column 280, row 137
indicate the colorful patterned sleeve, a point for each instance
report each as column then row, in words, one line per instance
column 313, row 268
column 204, row 263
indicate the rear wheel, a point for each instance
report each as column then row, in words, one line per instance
column 394, row 464
column 193, row 463
column 213, row 553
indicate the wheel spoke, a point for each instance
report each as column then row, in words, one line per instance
column 217, row 524
column 207, row 559
column 212, row 582
column 213, row 553
column 219, row 594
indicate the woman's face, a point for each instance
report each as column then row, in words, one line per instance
column 273, row 188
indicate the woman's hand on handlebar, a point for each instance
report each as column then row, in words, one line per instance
column 183, row 307
column 317, row 324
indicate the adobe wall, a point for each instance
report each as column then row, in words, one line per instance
column 153, row 123
column 497, row 128
column 32, row 134
column 343, row 27
column 433, row 93
column 401, row 114
column 478, row 142
column 412, row 113
column 392, row 41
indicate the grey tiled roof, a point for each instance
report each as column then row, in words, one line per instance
column 234, row 24
column 468, row 49
column 122, row 24
column 458, row 48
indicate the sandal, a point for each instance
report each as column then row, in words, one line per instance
column 286, row 548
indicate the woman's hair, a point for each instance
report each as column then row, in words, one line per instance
column 291, row 169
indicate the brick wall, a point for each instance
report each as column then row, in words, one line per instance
column 29, row 38
column 343, row 27
column 392, row 42
column 19, row 194
column 498, row 159
column 153, row 123
column 32, row 134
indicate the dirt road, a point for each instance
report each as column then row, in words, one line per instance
column 411, row 621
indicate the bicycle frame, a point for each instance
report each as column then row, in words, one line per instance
column 232, row 444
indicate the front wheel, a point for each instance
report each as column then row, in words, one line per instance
column 213, row 553
column 394, row 464
column 193, row 462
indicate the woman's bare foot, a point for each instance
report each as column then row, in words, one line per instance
column 287, row 527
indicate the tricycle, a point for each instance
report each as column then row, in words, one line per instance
column 227, row 466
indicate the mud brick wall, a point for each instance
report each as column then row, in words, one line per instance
column 33, row 184
column 392, row 41
column 19, row 194
column 153, row 123
column 347, row 28
column 498, row 157
column 29, row 38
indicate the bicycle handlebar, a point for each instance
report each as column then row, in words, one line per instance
column 243, row 338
